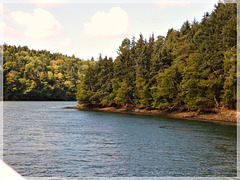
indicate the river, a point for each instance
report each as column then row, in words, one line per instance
column 43, row 140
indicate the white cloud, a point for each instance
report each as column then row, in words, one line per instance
column 172, row 3
column 115, row 23
column 67, row 42
column 3, row 9
column 49, row 3
column 39, row 24
column 6, row 30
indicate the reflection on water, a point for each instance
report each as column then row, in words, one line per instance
column 41, row 140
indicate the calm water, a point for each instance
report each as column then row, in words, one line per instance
column 40, row 139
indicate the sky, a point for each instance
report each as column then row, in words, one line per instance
column 86, row 28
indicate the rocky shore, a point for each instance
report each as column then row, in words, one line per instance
column 220, row 116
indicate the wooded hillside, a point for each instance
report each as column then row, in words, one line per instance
column 40, row 75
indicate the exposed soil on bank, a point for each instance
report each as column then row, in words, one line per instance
column 220, row 115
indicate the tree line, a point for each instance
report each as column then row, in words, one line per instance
column 191, row 68
column 40, row 75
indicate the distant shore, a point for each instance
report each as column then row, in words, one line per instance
column 220, row 116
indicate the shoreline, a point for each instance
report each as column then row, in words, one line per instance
column 219, row 116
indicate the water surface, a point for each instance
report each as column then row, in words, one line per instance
column 43, row 140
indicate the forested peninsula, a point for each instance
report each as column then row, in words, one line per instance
column 190, row 69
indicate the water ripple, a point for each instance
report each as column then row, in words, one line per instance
column 42, row 140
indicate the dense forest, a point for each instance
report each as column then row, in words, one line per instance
column 189, row 69
column 40, row 75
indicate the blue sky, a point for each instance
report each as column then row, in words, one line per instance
column 88, row 28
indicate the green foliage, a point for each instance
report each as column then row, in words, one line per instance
column 166, row 90
column 96, row 87
column 122, row 93
column 230, row 84
column 194, row 67
column 40, row 75
column 83, row 96
column 142, row 96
